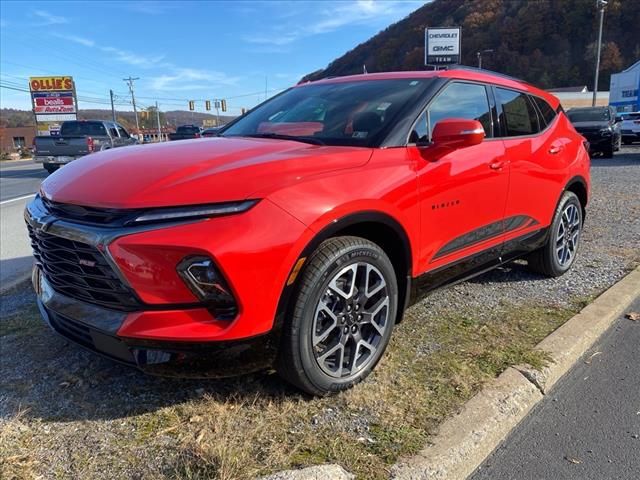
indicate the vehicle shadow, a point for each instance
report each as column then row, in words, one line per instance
column 46, row 377
column 24, row 173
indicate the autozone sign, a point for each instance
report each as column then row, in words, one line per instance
column 442, row 45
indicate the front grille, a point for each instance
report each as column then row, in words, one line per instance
column 80, row 271
column 109, row 217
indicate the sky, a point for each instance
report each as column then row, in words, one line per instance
column 181, row 51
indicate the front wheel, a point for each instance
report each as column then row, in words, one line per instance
column 559, row 252
column 342, row 318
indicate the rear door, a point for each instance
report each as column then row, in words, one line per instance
column 462, row 194
column 537, row 150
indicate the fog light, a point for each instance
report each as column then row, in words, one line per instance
column 205, row 280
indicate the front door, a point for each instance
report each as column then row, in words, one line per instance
column 462, row 194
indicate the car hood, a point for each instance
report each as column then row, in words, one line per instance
column 190, row 172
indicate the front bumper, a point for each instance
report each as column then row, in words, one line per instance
column 95, row 329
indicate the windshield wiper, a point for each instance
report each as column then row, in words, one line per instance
column 279, row 136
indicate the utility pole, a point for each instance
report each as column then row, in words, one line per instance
column 217, row 105
column 600, row 4
column 133, row 99
column 158, row 120
column 113, row 110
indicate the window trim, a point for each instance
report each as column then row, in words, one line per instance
column 555, row 112
column 488, row 94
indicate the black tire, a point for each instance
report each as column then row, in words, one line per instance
column 298, row 360
column 546, row 259
column 51, row 167
column 608, row 152
column 627, row 142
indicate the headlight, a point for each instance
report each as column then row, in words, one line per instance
column 205, row 280
column 193, row 212
column 605, row 132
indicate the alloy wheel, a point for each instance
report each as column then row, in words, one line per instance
column 350, row 320
column 568, row 235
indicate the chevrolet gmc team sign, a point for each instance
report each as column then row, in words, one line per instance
column 442, row 45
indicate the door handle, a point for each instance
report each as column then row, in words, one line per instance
column 496, row 165
column 554, row 150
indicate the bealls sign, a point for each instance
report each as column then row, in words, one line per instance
column 442, row 45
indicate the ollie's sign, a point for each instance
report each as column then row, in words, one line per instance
column 50, row 84
column 52, row 96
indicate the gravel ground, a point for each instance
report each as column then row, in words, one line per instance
column 76, row 408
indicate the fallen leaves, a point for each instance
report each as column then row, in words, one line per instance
column 588, row 361
column 635, row 316
column 573, row 460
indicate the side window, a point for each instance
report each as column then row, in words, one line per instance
column 122, row 131
column 518, row 115
column 112, row 130
column 548, row 114
column 420, row 132
column 461, row 100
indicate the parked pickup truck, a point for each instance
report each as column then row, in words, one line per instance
column 79, row 138
column 185, row 132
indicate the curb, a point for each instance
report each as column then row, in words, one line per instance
column 464, row 441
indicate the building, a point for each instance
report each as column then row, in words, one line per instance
column 16, row 139
column 574, row 98
column 624, row 89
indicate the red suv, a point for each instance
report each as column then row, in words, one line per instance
column 297, row 237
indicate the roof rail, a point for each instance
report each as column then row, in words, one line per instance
column 489, row 72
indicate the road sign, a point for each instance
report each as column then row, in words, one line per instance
column 442, row 45
column 53, row 100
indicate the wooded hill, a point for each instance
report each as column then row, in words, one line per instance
column 550, row 43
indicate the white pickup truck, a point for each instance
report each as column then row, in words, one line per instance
column 79, row 138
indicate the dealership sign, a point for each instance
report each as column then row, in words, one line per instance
column 442, row 45
column 53, row 100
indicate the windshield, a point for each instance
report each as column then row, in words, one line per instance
column 589, row 115
column 354, row 113
column 82, row 129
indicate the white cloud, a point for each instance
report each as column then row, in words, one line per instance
column 76, row 39
column 134, row 59
column 191, row 79
column 333, row 16
column 44, row 18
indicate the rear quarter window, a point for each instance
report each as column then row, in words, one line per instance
column 548, row 113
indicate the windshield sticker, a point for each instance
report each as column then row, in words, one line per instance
column 413, row 83
column 383, row 106
column 359, row 134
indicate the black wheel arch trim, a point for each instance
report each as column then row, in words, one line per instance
column 577, row 180
column 330, row 230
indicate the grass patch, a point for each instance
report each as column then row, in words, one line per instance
column 246, row 427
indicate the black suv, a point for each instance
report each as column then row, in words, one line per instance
column 598, row 125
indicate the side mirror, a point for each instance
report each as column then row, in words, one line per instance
column 454, row 133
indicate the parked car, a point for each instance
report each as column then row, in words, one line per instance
column 598, row 125
column 186, row 132
column 298, row 238
column 211, row 132
column 79, row 138
column 630, row 127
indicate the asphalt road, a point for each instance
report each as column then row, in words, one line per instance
column 588, row 426
column 19, row 181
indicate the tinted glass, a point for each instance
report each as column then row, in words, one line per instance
column 113, row 131
column 588, row 115
column 548, row 113
column 82, row 128
column 187, row 130
column 461, row 100
column 123, row 132
column 354, row 113
column 518, row 114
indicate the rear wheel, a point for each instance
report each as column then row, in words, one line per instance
column 51, row 167
column 342, row 319
column 559, row 252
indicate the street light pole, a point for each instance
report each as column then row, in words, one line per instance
column 479, row 55
column 158, row 120
column 600, row 4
